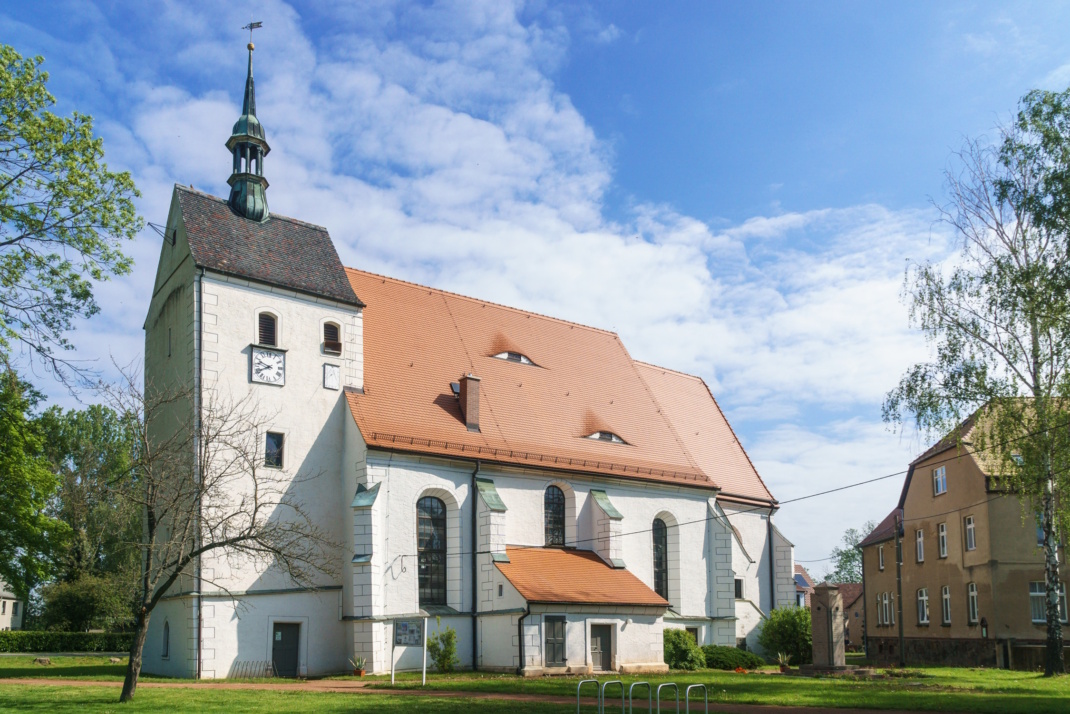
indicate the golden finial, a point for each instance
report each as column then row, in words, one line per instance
column 251, row 48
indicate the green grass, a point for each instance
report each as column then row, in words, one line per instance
column 79, row 700
column 90, row 667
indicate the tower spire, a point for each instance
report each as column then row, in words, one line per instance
column 248, row 145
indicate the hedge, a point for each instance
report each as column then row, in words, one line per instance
column 47, row 641
column 681, row 651
column 720, row 657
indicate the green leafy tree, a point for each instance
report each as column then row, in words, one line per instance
column 999, row 322
column 27, row 533
column 63, row 216
column 442, row 649
column 681, row 650
column 847, row 561
column 88, row 601
column 787, row 630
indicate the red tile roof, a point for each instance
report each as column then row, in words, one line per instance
column 885, row 530
column 577, row 577
column 849, row 592
column 417, row 340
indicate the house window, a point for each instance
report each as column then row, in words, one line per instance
column 165, row 652
column 923, row 606
column 941, row 539
column 971, row 536
column 971, row 603
column 1038, row 600
column 880, row 611
column 919, row 540
column 513, row 357
column 431, row 550
column 661, row 558
column 555, row 641
column 693, row 631
column 15, row 609
column 606, row 436
column 939, row 481
column 554, row 515
column 332, row 340
column 273, row 450
column 267, row 332
column 945, row 605
column 3, row 607
column 739, row 588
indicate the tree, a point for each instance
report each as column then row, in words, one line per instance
column 63, row 216
column 847, row 561
column 203, row 490
column 999, row 322
column 27, row 533
column 787, row 630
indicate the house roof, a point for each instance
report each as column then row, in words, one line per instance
column 885, row 530
column 704, row 431
column 849, row 592
column 801, row 571
column 577, row 577
column 417, row 340
column 278, row 251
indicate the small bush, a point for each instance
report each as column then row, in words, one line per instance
column 48, row 641
column 729, row 658
column 682, row 652
column 442, row 649
column 788, row 630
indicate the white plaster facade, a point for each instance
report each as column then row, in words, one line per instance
column 12, row 609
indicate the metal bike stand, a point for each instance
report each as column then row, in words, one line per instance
column 705, row 697
column 602, row 696
column 596, row 691
column 676, row 691
column 649, row 696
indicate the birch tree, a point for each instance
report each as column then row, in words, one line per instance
column 998, row 321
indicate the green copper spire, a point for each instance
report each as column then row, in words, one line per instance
column 249, row 146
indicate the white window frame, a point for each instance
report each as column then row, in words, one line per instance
column 941, row 539
column 880, row 611
column 971, row 533
column 1038, row 594
column 919, row 545
column 940, row 481
column 880, row 557
column 972, row 610
column 923, row 606
column 945, row 605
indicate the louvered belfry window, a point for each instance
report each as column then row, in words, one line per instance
column 267, row 333
column 331, row 341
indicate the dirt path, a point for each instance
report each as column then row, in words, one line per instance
column 357, row 687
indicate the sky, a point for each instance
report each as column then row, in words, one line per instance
column 734, row 188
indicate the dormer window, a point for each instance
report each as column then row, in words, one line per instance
column 332, row 341
column 513, row 357
column 267, row 333
column 606, row 436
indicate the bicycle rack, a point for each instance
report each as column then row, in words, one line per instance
column 705, row 697
column 676, row 691
column 602, row 696
column 649, row 696
column 597, row 692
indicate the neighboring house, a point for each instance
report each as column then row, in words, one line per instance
column 854, row 614
column 804, row 586
column 516, row 477
column 972, row 572
column 11, row 609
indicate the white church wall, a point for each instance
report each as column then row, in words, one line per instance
column 498, row 642
column 177, row 614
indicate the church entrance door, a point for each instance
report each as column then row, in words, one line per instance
column 602, row 647
column 284, row 646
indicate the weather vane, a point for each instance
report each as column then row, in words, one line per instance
column 250, row 27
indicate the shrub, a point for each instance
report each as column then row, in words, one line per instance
column 442, row 649
column 720, row 657
column 788, row 630
column 48, row 641
column 681, row 651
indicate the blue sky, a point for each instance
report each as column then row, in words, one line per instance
column 735, row 188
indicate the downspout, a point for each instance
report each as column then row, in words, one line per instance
column 772, row 563
column 199, row 346
column 520, row 639
column 475, row 570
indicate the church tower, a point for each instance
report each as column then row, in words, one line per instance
column 249, row 147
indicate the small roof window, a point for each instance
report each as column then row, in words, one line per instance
column 513, row 357
column 606, row 436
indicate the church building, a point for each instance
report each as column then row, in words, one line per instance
column 516, row 477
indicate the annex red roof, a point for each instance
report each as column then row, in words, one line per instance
column 577, row 577
column 417, row 340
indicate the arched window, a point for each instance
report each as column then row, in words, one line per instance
column 431, row 547
column 267, row 334
column 166, row 651
column 554, row 514
column 332, row 340
column 661, row 558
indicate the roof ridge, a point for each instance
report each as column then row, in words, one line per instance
column 485, row 302
column 271, row 216
column 668, row 369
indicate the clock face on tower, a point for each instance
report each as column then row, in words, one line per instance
column 269, row 366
